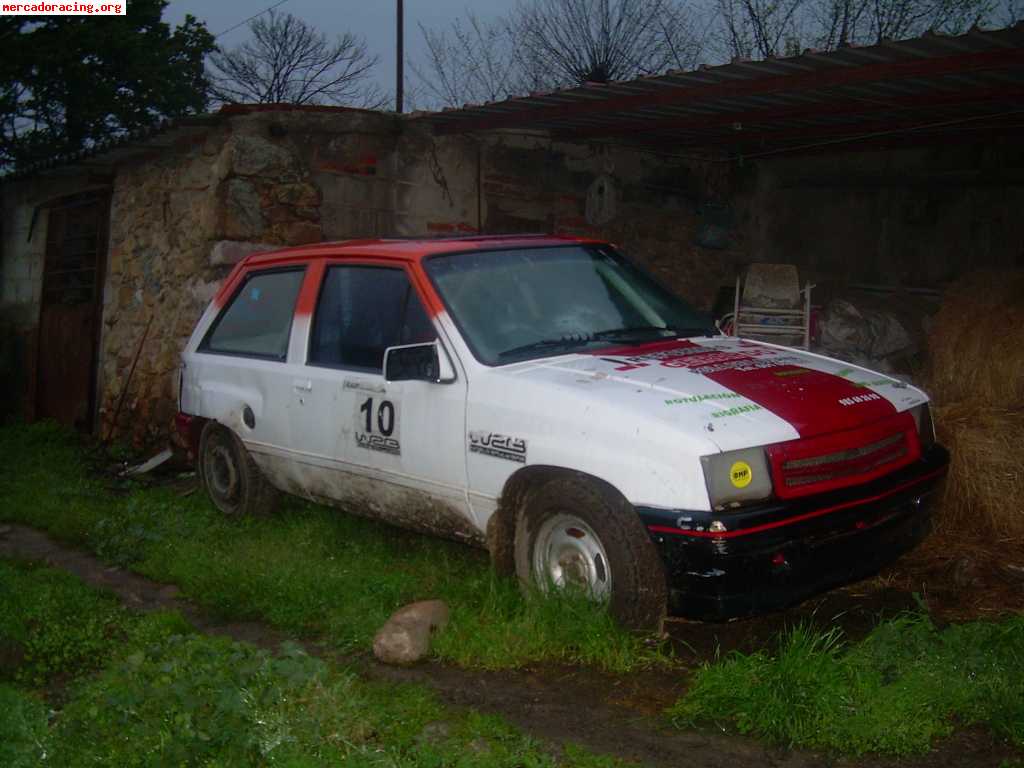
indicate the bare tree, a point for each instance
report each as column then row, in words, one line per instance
column 547, row 44
column 838, row 22
column 766, row 28
column 288, row 61
column 470, row 61
column 604, row 40
column 1012, row 12
column 759, row 29
column 899, row 19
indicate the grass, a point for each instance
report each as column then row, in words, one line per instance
column 897, row 691
column 315, row 571
column 154, row 693
column 309, row 570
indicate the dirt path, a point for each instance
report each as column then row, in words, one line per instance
column 611, row 715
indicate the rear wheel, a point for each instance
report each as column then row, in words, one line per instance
column 230, row 476
column 574, row 532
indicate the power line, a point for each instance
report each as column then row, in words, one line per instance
column 255, row 16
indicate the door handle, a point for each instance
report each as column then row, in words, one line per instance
column 303, row 385
column 366, row 386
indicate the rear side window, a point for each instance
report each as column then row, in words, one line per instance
column 258, row 321
column 362, row 311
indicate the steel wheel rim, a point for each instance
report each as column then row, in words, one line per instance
column 568, row 553
column 221, row 472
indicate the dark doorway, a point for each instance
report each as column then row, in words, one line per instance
column 71, row 311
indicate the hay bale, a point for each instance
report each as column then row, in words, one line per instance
column 984, row 493
column 976, row 344
column 975, row 374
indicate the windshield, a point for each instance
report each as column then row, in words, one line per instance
column 535, row 302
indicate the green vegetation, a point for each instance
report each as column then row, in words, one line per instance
column 896, row 691
column 320, row 573
column 48, row 629
column 152, row 692
column 310, row 570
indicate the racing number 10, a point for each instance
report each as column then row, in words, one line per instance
column 385, row 416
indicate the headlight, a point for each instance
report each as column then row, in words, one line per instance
column 925, row 428
column 737, row 476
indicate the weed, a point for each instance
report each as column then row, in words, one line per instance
column 309, row 570
column 23, row 728
column 165, row 696
column 896, row 691
column 55, row 627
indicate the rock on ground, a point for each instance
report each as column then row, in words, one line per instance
column 405, row 637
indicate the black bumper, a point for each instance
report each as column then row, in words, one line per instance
column 779, row 553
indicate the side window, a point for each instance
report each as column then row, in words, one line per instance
column 362, row 311
column 258, row 320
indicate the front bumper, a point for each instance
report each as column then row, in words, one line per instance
column 779, row 553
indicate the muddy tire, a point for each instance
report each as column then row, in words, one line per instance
column 230, row 476
column 579, row 531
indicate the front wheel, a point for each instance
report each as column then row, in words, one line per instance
column 230, row 476
column 579, row 533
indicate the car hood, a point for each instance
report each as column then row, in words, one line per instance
column 736, row 393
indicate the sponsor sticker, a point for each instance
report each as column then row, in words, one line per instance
column 740, row 474
column 736, row 410
column 857, row 399
column 688, row 399
column 876, row 383
column 378, row 443
column 377, row 422
column 845, row 374
column 498, row 446
column 699, row 358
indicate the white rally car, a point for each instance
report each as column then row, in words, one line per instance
column 547, row 399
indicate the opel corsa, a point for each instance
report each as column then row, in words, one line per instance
column 547, row 399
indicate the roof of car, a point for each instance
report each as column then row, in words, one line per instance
column 411, row 249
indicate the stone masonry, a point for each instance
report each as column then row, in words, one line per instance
column 259, row 178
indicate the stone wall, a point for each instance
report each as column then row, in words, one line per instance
column 163, row 219
column 256, row 179
column 181, row 220
column 664, row 211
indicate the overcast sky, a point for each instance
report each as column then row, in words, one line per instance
column 373, row 20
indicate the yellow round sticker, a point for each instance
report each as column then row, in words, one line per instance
column 741, row 474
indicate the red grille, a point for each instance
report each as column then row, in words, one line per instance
column 827, row 462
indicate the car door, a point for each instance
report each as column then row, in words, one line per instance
column 241, row 373
column 393, row 449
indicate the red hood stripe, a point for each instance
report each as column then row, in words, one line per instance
column 812, row 402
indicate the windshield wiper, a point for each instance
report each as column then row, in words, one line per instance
column 644, row 330
column 582, row 339
column 565, row 342
column 637, row 330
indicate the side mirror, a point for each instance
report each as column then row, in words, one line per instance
column 418, row 362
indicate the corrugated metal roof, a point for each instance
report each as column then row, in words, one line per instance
column 934, row 84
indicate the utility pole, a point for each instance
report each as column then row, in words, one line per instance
column 400, row 60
